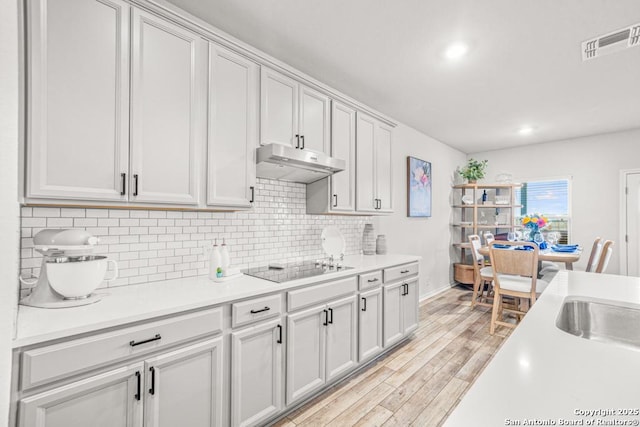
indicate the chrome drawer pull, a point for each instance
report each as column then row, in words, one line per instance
column 260, row 311
column 404, row 271
column 135, row 343
column 372, row 280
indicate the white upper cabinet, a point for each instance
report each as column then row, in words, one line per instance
column 343, row 146
column 383, row 168
column 167, row 115
column 293, row 114
column 233, row 128
column 78, row 107
column 374, row 174
column 278, row 109
column 314, row 120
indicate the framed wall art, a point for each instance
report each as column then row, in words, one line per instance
column 418, row 187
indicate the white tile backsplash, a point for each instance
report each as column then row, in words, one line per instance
column 159, row 245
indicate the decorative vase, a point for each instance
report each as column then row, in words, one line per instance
column 368, row 240
column 381, row 244
column 472, row 181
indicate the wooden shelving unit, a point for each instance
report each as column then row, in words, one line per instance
column 478, row 217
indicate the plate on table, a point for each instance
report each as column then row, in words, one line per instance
column 499, row 246
column 567, row 249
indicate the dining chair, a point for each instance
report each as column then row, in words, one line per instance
column 515, row 274
column 488, row 237
column 594, row 257
column 483, row 274
column 607, row 250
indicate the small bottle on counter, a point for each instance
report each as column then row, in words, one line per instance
column 225, row 259
column 215, row 261
column 484, row 197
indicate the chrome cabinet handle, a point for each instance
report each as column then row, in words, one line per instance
column 364, row 304
column 297, row 141
column 404, row 271
column 279, row 340
column 335, row 200
column 326, row 318
column 331, row 312
column 123, row 184
column 261, row 310
column 137, row 396
column 135, row 343
column 253, row 193
column 302, row 139
column 135, row 184
column 372, row 280
column 152, row 390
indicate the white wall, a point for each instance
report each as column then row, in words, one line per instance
column 428, row 237
column 9, row 212
column 594, row 163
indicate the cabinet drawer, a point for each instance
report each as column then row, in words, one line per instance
column 370, row 280
column 401, row 272
column 45, row 364
column 317, row 294
column 245, row 312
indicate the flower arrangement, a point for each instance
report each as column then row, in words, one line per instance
column 534, row 222
column 474, row 170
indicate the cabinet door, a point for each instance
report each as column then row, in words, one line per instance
column 343, row 146
column 278, row 109
column 233, row 128
column 370, row 337
column 256, row 374
column 410, row 307
column 111, row 399
column 365, row 161
column 306, row 335
column 342, row 337
column 185, row 386
column 78, row 106
column 383, row 168
column 393, row 330
column 167, row 111
column 314, row 120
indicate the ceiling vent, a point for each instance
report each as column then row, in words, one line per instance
column 611, row 42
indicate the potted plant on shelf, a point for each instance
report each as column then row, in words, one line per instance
column 474, row 170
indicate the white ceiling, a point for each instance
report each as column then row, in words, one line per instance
column 524, row 64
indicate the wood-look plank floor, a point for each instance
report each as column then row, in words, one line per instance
column 420, row 382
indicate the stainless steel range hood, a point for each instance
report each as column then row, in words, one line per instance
column 285, row 163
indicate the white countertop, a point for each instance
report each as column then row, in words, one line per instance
column 543, row 373
column 126, row 304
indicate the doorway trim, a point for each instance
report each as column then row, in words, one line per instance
column 623, row 218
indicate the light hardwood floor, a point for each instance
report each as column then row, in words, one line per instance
column 420, row 382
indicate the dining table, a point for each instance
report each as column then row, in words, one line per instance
column 548, row 254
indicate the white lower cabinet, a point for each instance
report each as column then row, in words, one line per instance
column 400, row 310
column 321, row 345
column 183, row 386
column 370, row 325
column 111, row 399
column 256, row 373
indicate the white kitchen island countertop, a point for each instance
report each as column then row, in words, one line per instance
column 544, row 376
column 126, row 304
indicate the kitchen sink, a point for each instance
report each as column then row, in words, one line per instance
column 606, row 321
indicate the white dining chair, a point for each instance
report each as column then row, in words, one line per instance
column 607, row 251
column 515, row 274
column 594, row 258
column 483, row 274
column 488, row 237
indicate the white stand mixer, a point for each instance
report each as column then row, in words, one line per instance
column 69, row 272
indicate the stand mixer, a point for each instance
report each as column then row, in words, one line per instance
column 70, row 272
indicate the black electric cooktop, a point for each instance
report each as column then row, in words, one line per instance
column 293, row 271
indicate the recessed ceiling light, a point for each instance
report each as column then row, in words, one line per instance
column 525, row 130
column 456, row 51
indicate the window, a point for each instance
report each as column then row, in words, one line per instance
column 550, row 198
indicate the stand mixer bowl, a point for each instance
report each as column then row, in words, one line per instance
column 77, row 277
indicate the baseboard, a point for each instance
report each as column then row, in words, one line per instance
column 437, row 292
